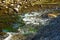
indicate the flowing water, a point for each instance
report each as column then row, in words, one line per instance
column 40, row 25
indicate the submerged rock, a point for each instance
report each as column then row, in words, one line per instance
column 15, row 36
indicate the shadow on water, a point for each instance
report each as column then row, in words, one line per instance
column 49, row 32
